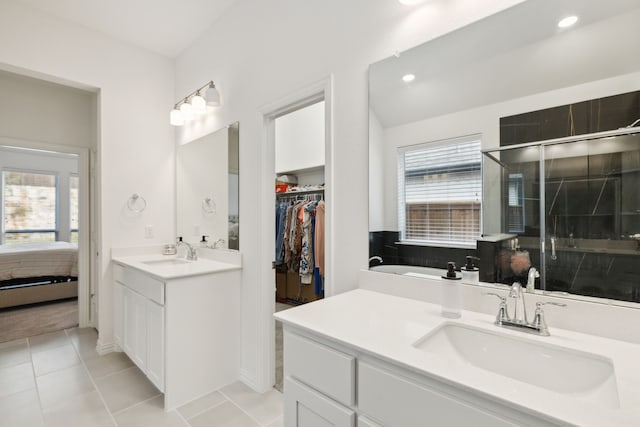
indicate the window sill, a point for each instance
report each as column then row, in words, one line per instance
column 435, row 244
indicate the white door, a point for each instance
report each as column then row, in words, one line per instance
column 304, row 407
column 155, row 344
column 118, row 314
column 135, row 327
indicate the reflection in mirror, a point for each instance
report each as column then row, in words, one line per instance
column 515, row 77
column 207, row 186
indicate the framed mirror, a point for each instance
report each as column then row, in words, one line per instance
column 207, row 189
column 457, row 90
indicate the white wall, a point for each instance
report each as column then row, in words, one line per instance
column 300, row 140
column 260, row 52
column 37, row 110
column 135, row 140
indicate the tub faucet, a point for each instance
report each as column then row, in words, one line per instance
column 531, row 279
column 376, row 258
column 192, row 255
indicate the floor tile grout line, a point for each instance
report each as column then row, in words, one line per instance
column 95, row 386
column 35, row 381
column 119, row 411
column 206, row 409
column 183, row 418
column 242, row 409
column 110, row 374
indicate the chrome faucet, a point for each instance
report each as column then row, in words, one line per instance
column 376, row 258
column 192, row 255
column 519, row 321
column 531, row 279
column 218, row 242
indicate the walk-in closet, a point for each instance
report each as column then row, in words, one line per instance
column 300, row 208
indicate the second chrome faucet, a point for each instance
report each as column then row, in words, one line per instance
column 519, row 319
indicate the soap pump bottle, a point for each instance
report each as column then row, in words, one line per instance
column 470, row 273
column 451, row 293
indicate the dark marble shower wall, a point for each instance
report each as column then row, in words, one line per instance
column 596, row 115
column 592, row 201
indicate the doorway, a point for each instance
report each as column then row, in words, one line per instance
column 44, row 279
column 299, row 181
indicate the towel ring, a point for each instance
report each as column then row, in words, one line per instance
column 136, row 203
column 208, row 205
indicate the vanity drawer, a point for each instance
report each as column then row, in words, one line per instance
column 137, row 281
column 325, row 369
column 408, row 404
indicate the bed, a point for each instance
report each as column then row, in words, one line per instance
column 37, row 272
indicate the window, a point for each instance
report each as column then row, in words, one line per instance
column 74, row 184
column 439, row 192
column 515, row 213
column 29, row 207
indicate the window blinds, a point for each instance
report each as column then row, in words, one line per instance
column 440, row 191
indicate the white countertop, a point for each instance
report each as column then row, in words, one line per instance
column 174, row 271
column 386, row 326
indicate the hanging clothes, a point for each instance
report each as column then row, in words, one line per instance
column 281, row 216
column 319, row 237
column 306, row 258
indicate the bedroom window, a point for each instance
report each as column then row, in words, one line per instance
column 439, row 193
column 29, row 207
column 74, row 184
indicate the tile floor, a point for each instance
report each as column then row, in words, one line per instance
column 58, row 379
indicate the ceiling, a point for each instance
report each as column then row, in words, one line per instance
column 512, row 54
column 166, row 27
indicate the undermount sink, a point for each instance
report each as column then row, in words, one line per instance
column 562, row 370
column 166, row 262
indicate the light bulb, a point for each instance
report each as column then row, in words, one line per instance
column 198, row 104
column 213, row 97
column 187, row 111
column 176, row 118
column 408, row 78
column 568, row 21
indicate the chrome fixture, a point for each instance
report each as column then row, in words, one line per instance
column 218, row 243
column 136, row 203
column 192, row 255
column 531, row 279
column 195, row 104
column 376, row 258
column 537, row 327
column 553, row 249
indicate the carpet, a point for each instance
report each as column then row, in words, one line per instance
column 37, row 319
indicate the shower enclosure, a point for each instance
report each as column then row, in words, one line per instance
column 574, row 205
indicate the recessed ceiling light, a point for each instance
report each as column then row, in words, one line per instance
column 408, row 78
column 568, row 21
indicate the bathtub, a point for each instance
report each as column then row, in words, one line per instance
column 410, row 270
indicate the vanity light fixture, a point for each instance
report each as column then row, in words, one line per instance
column 567, row 21
column 407, row 78
column 195, row 104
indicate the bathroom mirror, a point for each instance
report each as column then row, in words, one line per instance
column 207, row 187
column 464, row 82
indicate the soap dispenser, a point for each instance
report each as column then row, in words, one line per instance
column 470, row 273
column 451, row 293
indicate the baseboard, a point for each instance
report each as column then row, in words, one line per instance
column 104, row 348
column 248, row 380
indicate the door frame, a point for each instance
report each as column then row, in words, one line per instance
column 310, row 94
column 84, row 211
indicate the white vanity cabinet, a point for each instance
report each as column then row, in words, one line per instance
column 181, row 331
column 140, row 321
column 321, row 388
